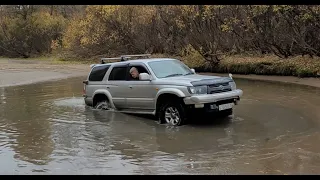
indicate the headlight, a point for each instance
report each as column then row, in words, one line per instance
column 233, row 85
column 198, row 89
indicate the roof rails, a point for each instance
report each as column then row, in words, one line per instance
column 125, row 57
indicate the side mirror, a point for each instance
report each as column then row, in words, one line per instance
column 194, row 71
column 230, row 75
column 144, row 77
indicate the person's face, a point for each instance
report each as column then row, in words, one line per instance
column 134, row 73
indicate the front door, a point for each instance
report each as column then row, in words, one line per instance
column 141, row 94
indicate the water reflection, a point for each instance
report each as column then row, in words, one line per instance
column 23, row 122
column 24, row 116
column 46, row 129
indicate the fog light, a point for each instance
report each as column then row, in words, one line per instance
column 236, row 101
column 199, row 105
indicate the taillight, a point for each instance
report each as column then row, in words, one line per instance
column 84, row 86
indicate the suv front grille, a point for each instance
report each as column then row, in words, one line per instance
column 219, row 88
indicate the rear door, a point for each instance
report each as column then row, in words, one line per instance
column 117, row 85
column 95, row 80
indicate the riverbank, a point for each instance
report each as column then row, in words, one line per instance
column 19, row 72
column 314, row 82
column 261, row 65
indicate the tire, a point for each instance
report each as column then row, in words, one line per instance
column 172, row 113
column 103, row 105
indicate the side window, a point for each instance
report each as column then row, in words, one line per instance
column 98, row 73
column 118, row 74
column 140, row 69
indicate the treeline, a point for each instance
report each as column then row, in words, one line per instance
column 29, row 30
column 213, row 31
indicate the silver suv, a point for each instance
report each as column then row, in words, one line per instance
column 163, row 87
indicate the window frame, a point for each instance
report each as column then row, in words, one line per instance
column 130, row 65
column 105, row 73
column 119, row 66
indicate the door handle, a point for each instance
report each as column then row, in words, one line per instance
column 130, row 87
column 108, row 87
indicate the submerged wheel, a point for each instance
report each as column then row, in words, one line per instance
column 103, row 105
column 172, row 113
column 227, row 112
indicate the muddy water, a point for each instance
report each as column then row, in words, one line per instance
column 46, row 129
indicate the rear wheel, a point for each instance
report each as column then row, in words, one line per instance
column 103, row 105
column 172, row 113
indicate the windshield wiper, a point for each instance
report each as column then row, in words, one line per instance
column 189, row 73
column 171, row 75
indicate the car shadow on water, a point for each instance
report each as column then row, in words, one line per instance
column 211, row 120
column 206, row 120
column 202, row 120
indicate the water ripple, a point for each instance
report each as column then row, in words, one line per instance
column 46, row 128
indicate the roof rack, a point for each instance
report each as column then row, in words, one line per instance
column 125, row 57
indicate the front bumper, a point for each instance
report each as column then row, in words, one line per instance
column 211, row 98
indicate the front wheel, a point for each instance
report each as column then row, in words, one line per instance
column 227, row 112
column 172, row 113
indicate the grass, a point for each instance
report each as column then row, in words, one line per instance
column 267, row 65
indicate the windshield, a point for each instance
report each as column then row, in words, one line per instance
column 169, row 68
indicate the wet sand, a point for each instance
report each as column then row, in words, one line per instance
column 20, row 72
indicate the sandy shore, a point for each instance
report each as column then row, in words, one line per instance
column 20, row 72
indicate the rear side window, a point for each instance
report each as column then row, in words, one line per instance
column 98, row 73
column 118, row 74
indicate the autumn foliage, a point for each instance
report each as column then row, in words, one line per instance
column 209, row 32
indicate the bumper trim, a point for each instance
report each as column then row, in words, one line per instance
column 210, row 98
column 88, row 101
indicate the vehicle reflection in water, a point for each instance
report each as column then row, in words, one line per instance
column 150, row 145
column 46, row 129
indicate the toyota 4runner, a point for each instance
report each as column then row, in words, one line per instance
column 165, row 87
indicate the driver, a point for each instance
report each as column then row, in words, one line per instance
column 134, row 73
